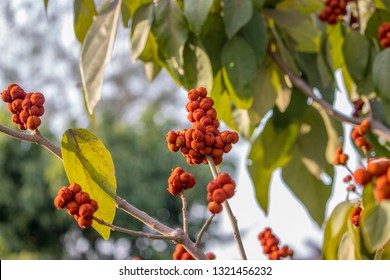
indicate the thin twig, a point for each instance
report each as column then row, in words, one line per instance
column 232, row 218
column 184, row 211
column 203, row 230
column 376, row 126
column 133, row 232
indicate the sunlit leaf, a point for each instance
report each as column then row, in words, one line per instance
column 88, row 163
column 236, row 13
column 335, row 227
column 140, row 28
column 375, row 225
column 84, row 13
column 152, row 69
column 239, row 71
column 380, row 73
column 96, row 52
column 197, row 12
column 129, row 7
column 197, row 66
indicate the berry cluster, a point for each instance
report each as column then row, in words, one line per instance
column 270, row 245
column 181, row 253
column 340, row 158
column 355, row 215
column 26, row 108
column 203, row 138
column 77, row 203
column 180, row 180
column 218, row 190
column 384, row 34
column 334, row 11
column 358, row 136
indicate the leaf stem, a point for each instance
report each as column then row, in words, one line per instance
column 184, row 212
column 203, row 230
column 232, row 218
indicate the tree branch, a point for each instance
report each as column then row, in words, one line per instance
column 376, row 126
column 232, row 218
column 176, row 235
column 203, row 230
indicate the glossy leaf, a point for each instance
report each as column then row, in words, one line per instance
column 356, row 59
column 84, row 13
column 140, row 28
column 196, row 12
column 375, row 225
column 239, row 71
column 96, row 52
column 236, row 13
column 271, row 149
column 380, row 73
column 172, row 34
column 88, row 163
column 335, row 227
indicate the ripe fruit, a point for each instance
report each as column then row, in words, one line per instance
column 383, row 37
column 214, row 207
column 361, row 176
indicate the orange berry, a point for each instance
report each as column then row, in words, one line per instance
column 361, row 176
column 82, row 197
column 59, row 203
column 84, row 223
column 377, row 167
column 229, row 190
column 33, row 122
column 72, row 207
column 219, row 196
column 214, row 207
column 86, row 211
column 37, row 99
column 211, row 256
column 343, row 159
column 75, row 188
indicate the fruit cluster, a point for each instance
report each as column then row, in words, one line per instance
column 180, row 180
column 358, row 136
column 357, row 107
column 203, row 138
column 355, row 215
column 181, row 253
column 77, row 203
column 334, row 11
column 384, row 34
column 218, row 190
column 270, row 245
column 26, row 108
column 341, row 158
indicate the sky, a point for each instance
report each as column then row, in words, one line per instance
column 288, row 219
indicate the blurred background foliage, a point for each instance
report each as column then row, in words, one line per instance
column 30, row 226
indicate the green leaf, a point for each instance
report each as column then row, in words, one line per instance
column 380, row 73
column 356, row 59
column 96, row 53
column 197, row 66
column 335, row 227
column 311, row 191
column 300, row 28
column 386, row 252
column 197, row 12
column 129, row 7
column 88, row 163
column 335, row 39
column 368, row 197
column 377, row 18
column 140, row 28
column 258, row 4
column 171, row 31
column 347, row 248
column 236, row 13
column 213, row 37
column 152, row 69
column 255, row 33
column 239, row 71
column 375, row 225
column 271, row 149
column 84, row 13
column 264, row 91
